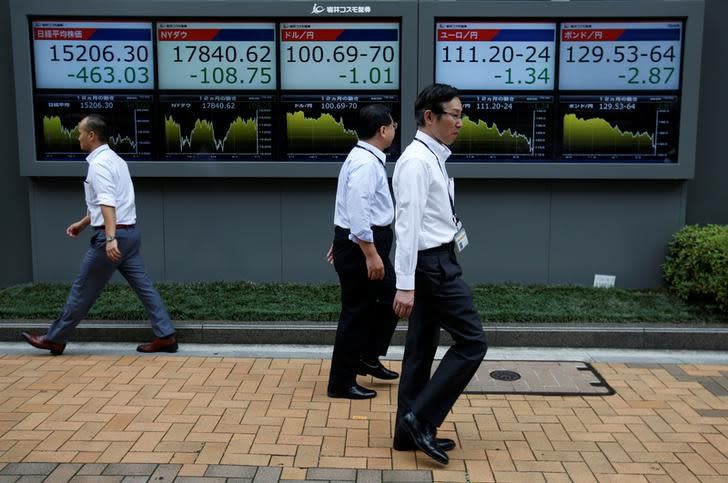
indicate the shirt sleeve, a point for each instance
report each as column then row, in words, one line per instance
column 410, row 194
column 101, row 179
column 360, row 192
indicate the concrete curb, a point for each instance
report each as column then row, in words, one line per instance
column 614, row 336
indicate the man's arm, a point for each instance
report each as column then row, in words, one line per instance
column 112, row 247
column 360, row 194
column 75, row 228
column 375, row 266
column 410, row 185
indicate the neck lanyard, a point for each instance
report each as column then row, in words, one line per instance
column 447, row 182
column 372, row 153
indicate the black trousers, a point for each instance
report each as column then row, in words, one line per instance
column 367, row 320
column 442, row 300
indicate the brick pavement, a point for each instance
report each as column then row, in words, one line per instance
column 155, row 418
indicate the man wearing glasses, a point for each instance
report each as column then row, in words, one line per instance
column 430, row 290
column 360, row 254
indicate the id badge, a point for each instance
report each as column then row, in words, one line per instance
column 461, row 239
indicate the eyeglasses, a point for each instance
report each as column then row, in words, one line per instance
column 394, row 125
column 456, row 117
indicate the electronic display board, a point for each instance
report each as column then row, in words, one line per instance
column 57, row 117
column 348, row 55
column 215, row 55
column 505, row 127
column 496, row 56
column 216, row 127
column 637, row 128
column 623, row 55
column 323, row 127
column 93, row 55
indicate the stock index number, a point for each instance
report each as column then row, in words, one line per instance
column 340, row 54
column 619, row 53
column 98, row 53
column 496, row 54
column 230, row 53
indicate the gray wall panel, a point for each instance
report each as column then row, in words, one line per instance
column 507, row 223
column 56, row 203
column 222, row 230
column 708, row 197
column 527, row 232
column 307, row 221
column 15, row 252
column 150, row 220
column 619, row 228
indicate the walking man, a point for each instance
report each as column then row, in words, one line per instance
column 362, row 241
column 114, row 246
column 430, row 290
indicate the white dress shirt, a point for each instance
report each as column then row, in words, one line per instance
column 363, row 199
column 423, row 192
column 108, row 183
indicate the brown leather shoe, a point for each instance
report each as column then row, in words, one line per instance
column 167, row 344
column 41, row 342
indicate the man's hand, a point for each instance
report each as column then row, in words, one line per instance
column 404, row 300
column 375, row 267
column 112, row 251
column 75, row 228
column 330, row 255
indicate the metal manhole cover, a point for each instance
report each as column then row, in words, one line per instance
column 548, row 378
column 505, row 375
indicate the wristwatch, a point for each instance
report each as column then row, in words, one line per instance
column 110, row 239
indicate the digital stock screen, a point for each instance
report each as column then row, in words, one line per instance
column 620, row 56
column 94, row 55
column 129, row 117
column 492, row 56
column 505, row 127
column 217, row 127
column 593, row 108
column 360, row 56
column 230, row 56
column 289, row 89
column 621, row 128
column 322, row 127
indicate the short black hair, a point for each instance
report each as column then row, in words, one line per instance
column 97, row 124
column 432, row 98
column 371, row 118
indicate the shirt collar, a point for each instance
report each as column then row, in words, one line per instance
column 92, row 155
column 440, row 150
column 373, row 149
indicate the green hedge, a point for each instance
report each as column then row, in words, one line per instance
column 697, row 264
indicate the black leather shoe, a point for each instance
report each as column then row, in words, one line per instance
column 423, row 438
column 403, row 442
column 352, row 392
column 376, row 369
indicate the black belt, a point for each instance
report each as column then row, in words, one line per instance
column 102, row 227
column 445, row 247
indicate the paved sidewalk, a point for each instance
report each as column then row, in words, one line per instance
column 131, row 417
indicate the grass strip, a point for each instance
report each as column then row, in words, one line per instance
column 245, row 301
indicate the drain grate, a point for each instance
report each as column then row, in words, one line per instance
column 505, row 375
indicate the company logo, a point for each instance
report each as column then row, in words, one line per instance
column 343, row 9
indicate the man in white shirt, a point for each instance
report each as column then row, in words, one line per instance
column 430, row 290
column 115, row 244
column 360, row 253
